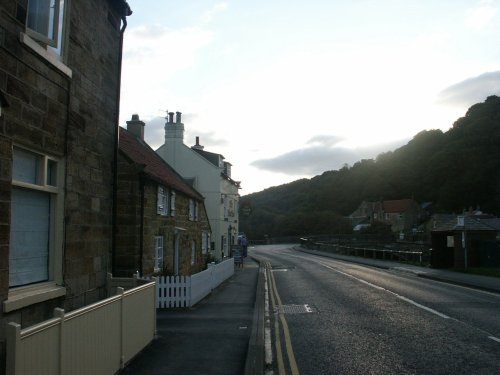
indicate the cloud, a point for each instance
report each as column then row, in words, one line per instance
column 471, row 90
column 480, row 17
column 154, row 55
column 209, row 15
column 325, row 154
column 154, row 133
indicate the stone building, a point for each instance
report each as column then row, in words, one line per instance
column 402, row 214
column 60, row 68
column 211, row 176
column 163, row 226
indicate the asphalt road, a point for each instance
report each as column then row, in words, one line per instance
column 332, row 317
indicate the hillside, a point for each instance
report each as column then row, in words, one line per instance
column 454, row 170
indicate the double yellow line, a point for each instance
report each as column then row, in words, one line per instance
column 278, row 307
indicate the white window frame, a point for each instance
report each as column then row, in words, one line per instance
column 44, row 14
column 193, row 209
column 193, row 252
column 162, row 201
column 53, row 48
column 205, row 242
column 172, row 203
column 158, row 254
column 25, row 295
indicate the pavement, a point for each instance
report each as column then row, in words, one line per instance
column 224, row 333
column 214, row 337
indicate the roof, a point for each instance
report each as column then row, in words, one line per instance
column 155, row 167
column 400, row 205
column 471, row 224
column 210, row 156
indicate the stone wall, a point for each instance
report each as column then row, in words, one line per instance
column 71, row 117
column 129, row 216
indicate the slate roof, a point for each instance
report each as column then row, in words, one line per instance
column 471, row 224
column 155, row 167
column 210, row 156
column 400, row 205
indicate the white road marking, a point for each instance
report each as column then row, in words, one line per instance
column 389, row 291
column 393, row 293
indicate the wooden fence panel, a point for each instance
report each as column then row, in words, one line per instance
column 173, row 291
column 91, row 339
column 139, row 319
column 186, row 291
column 201, row 286
column 96, row 339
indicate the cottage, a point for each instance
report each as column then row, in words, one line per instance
column 163, row 226
column 402, row 214
column 211, row 176
column 59, row 88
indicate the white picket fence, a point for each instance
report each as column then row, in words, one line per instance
column 186, row 291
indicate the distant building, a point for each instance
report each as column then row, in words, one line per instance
column 466, row 240
column 163, row 226
column 59, row 83
column 211, row 176
column 402, row 215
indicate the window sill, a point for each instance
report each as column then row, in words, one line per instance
column 29, row 295
column 49, row 56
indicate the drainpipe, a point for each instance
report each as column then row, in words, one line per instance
column 141, row 234
column 126, row 11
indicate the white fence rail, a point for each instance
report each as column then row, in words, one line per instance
column 186, row 291
column 97, row 339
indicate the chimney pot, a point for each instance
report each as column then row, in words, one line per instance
column 197, row 146
column 171, row 117
column 136, row 126
column 178, row 117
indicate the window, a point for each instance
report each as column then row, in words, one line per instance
column 162, row 201
column 205, row 242
column 193, row 252
column 35, row 239
column 193, row 210
column 44, row 22
column 158, row 258
column 172, row 203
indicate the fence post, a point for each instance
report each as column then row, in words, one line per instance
column 59, row 313
column 13, row 348
column 155, row 279
column 120, row 291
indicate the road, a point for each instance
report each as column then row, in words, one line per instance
column 332, row 317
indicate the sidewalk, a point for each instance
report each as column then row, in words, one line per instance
column 491, row 284
column 210, row 338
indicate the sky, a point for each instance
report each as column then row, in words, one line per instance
column 286, row 90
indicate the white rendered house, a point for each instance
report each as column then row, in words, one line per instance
column 211, row 176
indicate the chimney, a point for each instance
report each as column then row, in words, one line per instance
column 136, row 127
column 174, row 131
column 197, row 146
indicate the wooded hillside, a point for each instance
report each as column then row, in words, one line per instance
column 454, row 170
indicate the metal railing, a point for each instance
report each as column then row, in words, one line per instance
column 419, row 256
